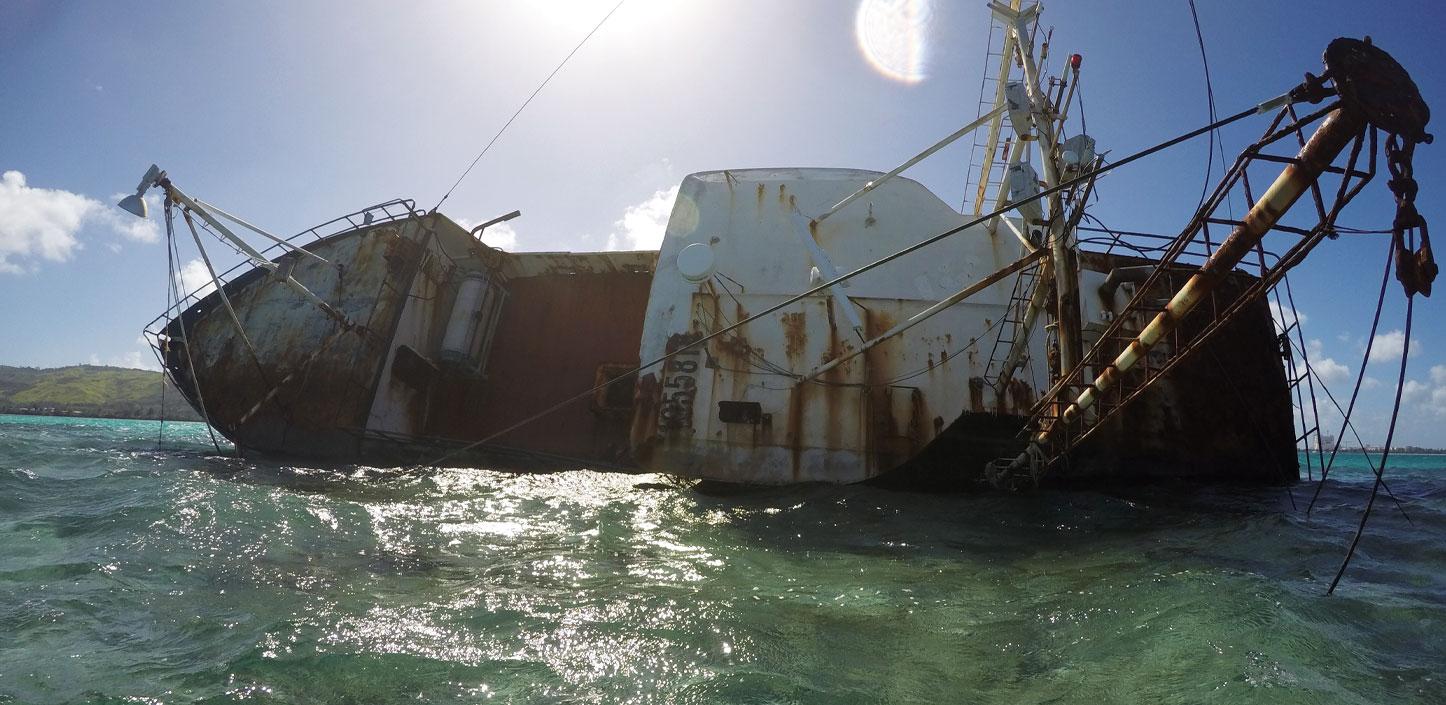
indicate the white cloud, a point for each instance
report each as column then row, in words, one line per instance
column 42, row 223
column 38, row 222
column 1436, row 404
column 142, row 359
column 1387, row 347
column 136, row 360
column 1327, row 369
column 1331, row 371
column 1370, row 383
column 1412, row 391
column 194, row 276
column 133, row 228
column 1438, row 401
column 1284, row 318
column 500, row 236
column 642, row 225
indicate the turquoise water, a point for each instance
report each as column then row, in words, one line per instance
column 134, row 575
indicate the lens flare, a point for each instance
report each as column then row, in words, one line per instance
column 891, row 34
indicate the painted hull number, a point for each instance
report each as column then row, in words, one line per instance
column 680, row 384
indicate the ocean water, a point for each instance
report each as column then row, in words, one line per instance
column 135, row 575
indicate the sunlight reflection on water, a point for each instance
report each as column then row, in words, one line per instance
column 184, row 576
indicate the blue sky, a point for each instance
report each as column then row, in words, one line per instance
column 292, row 113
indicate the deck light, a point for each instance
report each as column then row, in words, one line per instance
column 136, row 203
column 477, row 231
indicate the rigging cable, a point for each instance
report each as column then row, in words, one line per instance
column 170, row 287
column 1346, row 424
column 181, row 326
column 1415, row 270
column 757, row 361
column 769, row 367
column 1043, row 193
column 1210, row 100
column 1386, row 452
column 951, row 356
column 1079, row 93
column 1360, row 378
column 522, row 107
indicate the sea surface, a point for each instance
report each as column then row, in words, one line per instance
column 130, row 574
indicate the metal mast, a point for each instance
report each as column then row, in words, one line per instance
column 1375, row 92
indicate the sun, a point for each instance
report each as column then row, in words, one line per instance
column 892, row 36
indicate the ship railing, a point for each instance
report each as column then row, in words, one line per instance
column 395, row 209
column 1124, row 364
column 1151, row 245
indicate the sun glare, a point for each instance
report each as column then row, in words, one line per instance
column 891, row 35
column 576, row 17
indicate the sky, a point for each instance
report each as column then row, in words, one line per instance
column 292, row 113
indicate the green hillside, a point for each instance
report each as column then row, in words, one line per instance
column 89, row 390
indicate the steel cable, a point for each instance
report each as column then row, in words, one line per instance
column 1386, row 453
column 1102, row 170
column 185, row 343
column 1360, row 378
column 525, row 103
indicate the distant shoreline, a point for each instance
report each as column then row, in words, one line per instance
column 92, row 391
column 1398, row 451
column 70, row 414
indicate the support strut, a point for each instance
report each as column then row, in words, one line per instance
column 1338, row 130
column 1375, row 91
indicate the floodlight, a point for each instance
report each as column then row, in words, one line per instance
column 136, row 203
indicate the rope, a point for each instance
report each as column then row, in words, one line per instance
column 1416, row 271
column 1354, row 432
column 1390, row 434
column 1346, row 424
column 1210, row 100
column 1103, row 169
column 185, row 344
column 525, row 103
column 1360, row 377
column 170, row 287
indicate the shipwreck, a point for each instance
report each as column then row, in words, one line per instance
column 816, row 324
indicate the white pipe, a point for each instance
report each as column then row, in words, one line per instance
column 1002, row 196
column 802, row 228
column 1026, row 328
column 190, row 203
column 919, row 317
column 220, row 290
column 1023, row 240
column 921, row 156
column 262, row 233
column 256, row 257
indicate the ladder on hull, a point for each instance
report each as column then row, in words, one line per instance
column 1011, row 330
column 1149, row 337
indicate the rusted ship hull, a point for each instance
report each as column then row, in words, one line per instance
column 920, row 410
column 878, row 381
column 301, row 384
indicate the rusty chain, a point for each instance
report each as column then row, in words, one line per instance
column 1415, row 270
